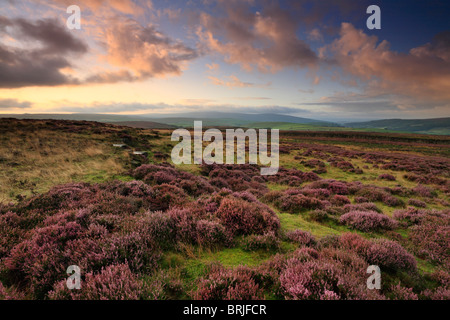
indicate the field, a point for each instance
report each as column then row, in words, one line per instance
column 141, row 228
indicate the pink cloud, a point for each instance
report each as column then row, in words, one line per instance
column 423, row 73
column 143, row 51
column 266, row 40
column 124, row 6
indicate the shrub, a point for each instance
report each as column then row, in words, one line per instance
column 411, row 215
column 339, row 200
column 318, row 215
column 223, row 284
column 303, row 238
column 329, row 275
column 367, row 221
column 131, row 249
column 267, row 242
column 397, row 292
column 424, row 191
column 242, row 217
column 386, row 176
column 390, row 255
column 10, row 294
column 430, row 238
column 212, row 234
column 115, row 282
column 417, row 203
column 381, row 252
column 392, row 201
column 365, row 206
column 166, row 196
column 299, row 202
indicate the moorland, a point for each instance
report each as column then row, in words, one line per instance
column 139, row 227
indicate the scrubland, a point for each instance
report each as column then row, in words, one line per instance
column 141, row 228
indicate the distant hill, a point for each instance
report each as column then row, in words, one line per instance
column 430, row 126
column 144, row 124
column 235, row 118
column 74, row 116
column 180, row 119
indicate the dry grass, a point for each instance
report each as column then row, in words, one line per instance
column 33, row 162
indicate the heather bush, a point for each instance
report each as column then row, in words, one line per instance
column 410, row 215
column 392, row 201
column 301, row 237
column 424, row 191
column 367, row 221
column 154, row 228
column 299, row 202
column 365, row 206
column 212, row 234
column 372, row 193
column 397, row 292
column 43, row 259
column 316, row 193
column 167, row 174
column 381, row 252
column 318, row 215
column 361, row 199
column 166, row 196
column 417, row 203
column 386, row 176
column 339, row 200
column 430, row 238
column 115, row 282
column 329, row 275
column 10, row 294
column 390, row 255
column 242, row 217
column 223, row 284
column 292, row 200
column 267, row 242
column 335, row 187
column 131, row 249
column 440, row 293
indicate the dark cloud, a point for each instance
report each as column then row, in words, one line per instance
column 52, row 35
column 6, row 104
column 39, row 64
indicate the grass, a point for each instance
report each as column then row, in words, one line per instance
column 290, row 222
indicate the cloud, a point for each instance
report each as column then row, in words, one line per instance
column 306, row 91
column 118, row 107
column 6, row 104
column 143, row 51
column 422, row 75
column 315, row 35
column 197, row 101
column 252, row 98
column 213, row 66
column 50, row 46
column 44, row 50
column 124, row 6
column 266, row 40
column 233, row 82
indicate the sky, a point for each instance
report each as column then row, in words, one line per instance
column 314, row 59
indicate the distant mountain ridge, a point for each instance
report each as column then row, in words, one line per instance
column 436, row 125
column 439, row 126
column 180, row 119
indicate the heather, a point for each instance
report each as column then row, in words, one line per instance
column 367, row 221
column 140, row 227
